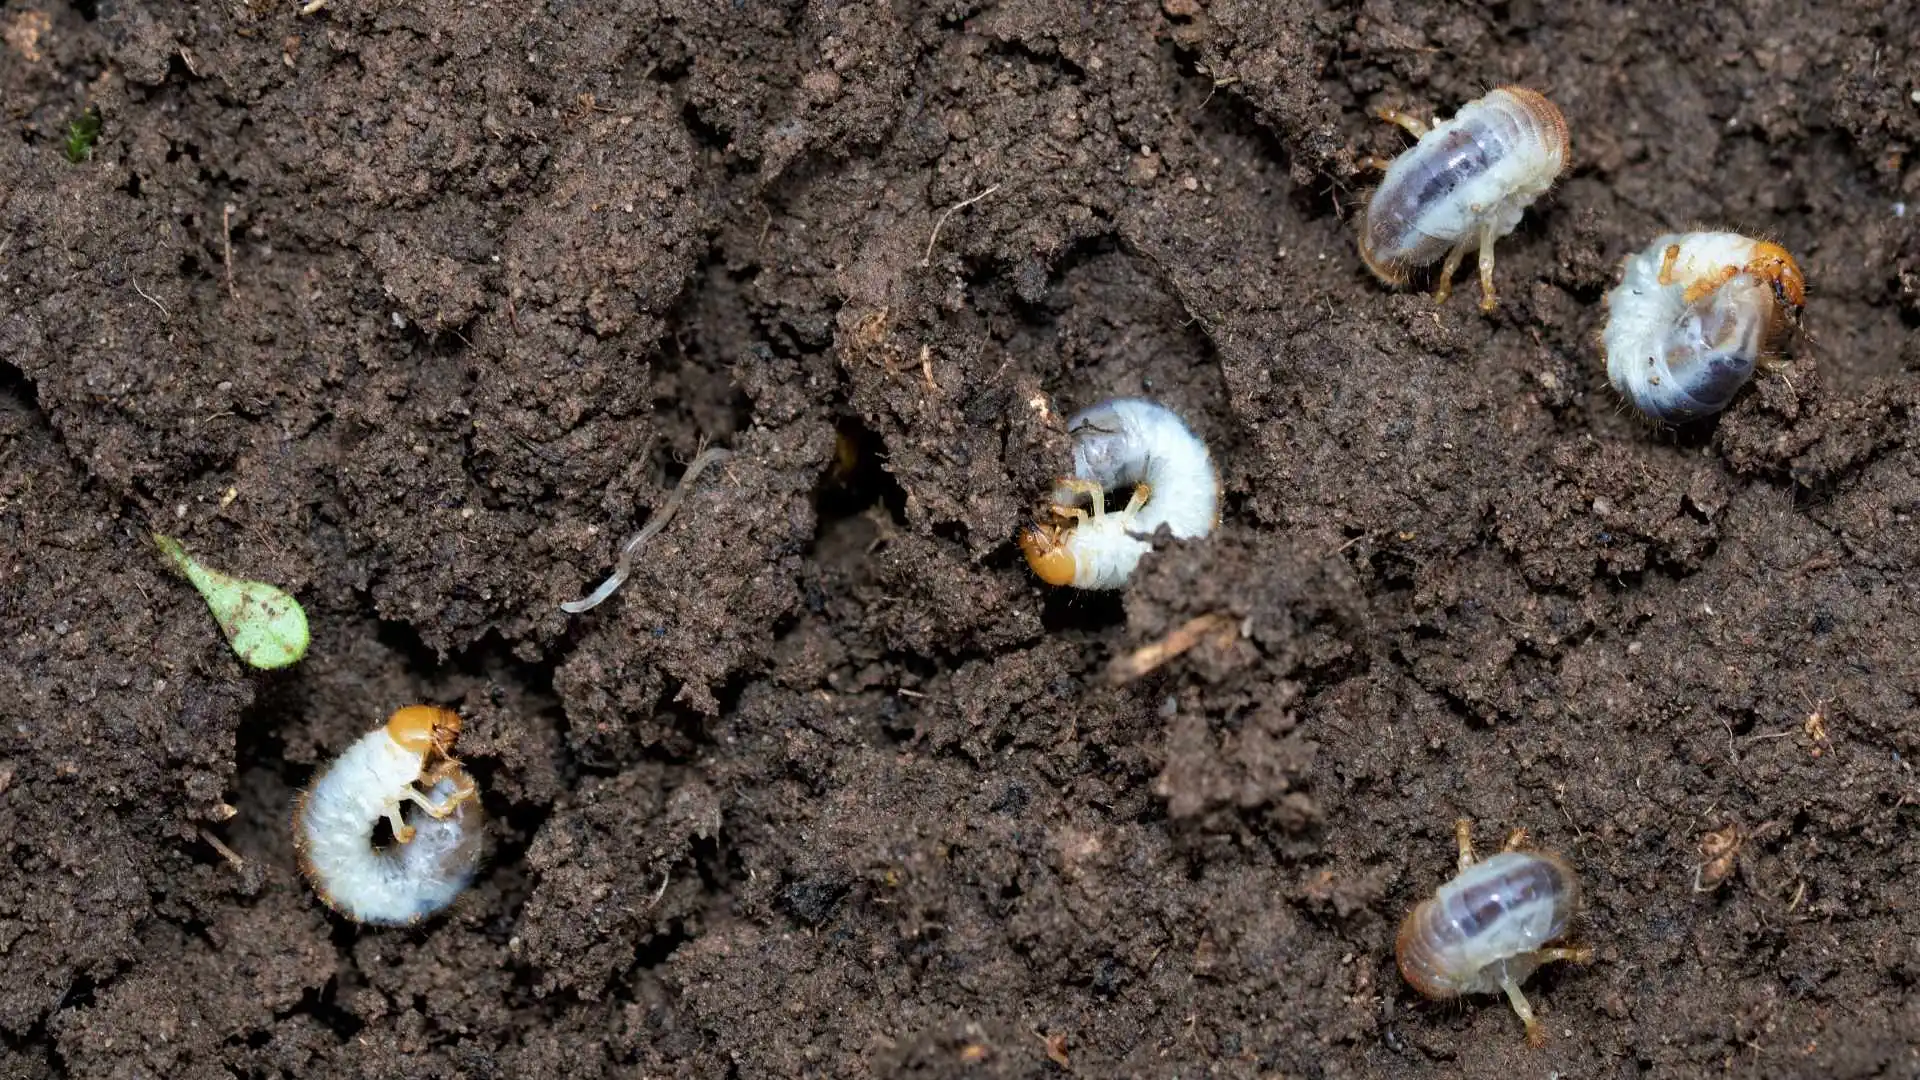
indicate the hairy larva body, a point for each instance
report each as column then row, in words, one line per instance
column 1464, row 185
column 1486, row 930
column 431, row 859
column 1121, row 443
column 1692, row 315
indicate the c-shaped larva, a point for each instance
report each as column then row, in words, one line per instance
column 1465, row 183
column 1120, row 443
column 1486, row 930
column 431, row 860
column 1692, row 315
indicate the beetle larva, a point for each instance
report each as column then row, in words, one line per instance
column 1692, row 315
column 1466, row 182
column 1120, row 443
column 406, row 760
column 1486, row 930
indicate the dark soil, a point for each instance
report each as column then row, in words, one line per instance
column 417, row 309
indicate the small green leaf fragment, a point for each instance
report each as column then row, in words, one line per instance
column 265, row 626
column 81, row 135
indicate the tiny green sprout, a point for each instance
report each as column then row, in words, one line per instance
column 265, row 626
column 80, row 136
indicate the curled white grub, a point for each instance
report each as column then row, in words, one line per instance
column 1121, row 443
column 432, row 858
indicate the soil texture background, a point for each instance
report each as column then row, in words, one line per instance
column 416, row 309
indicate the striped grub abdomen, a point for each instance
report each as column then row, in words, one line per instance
column 1488, row 929
column 1463, row 939
column 1465, row 183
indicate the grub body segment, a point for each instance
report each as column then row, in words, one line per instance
column 1693, row 316
column 1465, row 184
column 1126, row 442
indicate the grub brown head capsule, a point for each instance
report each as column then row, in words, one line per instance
column 1486, row 930
column 1464, row 185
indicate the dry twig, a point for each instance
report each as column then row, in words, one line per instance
column 233, row 857
column 1214, row 624
column 226, row 245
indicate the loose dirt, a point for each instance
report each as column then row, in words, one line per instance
column 417, row 310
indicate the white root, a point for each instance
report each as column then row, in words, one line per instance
column 623, row 566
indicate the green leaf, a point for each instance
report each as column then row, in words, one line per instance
column 265, row 626
column 80, row 136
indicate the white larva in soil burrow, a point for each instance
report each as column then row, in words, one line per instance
column 1121, row 443
column 1486, row 930
column 1464, row 184
column 431, row 859
column 1692, row 315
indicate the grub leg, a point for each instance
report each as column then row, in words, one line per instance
column 1449, row 268
column 443, row 808
column 1524, row 1010
column 402, row 832
column 1095, row 495
column 1487, row 299
column 1415, row 126
column 1463, row 839
column 1667, row 259
column 1578, row 954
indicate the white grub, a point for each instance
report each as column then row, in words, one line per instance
column 1692, row 315
column 1486, row 930
column 1464, row 185
column 1121, row 443
column 431, row 859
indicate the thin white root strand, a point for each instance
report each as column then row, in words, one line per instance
column 624, row 564
column 927, row 259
